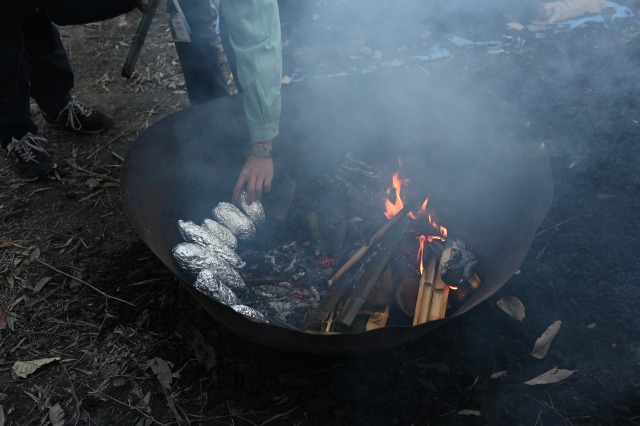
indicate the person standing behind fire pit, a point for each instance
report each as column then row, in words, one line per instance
column 254, row 35
column 33, row 63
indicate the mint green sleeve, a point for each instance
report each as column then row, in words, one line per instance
column 254, row 32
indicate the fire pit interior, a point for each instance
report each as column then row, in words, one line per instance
column 404, row 175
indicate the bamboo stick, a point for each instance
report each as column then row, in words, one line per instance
column 427, row 281
column 439, row 300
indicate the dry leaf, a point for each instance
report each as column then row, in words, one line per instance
column 498, row 374
column 56, row 415
column 35, row 253
column 3, row 320
column 41, row 284
column 24, row 368
column 544, row 342
column 470, row 413
column 512, row 306
column 554, row 375
column 2, row 418
column 162, row 370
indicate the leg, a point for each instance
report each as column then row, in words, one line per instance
column 200, row 59
column 51, row 74
column 15, row 113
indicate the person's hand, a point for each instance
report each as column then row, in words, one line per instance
column 255, row 177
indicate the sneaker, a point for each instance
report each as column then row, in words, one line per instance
column 29, row 157
column 77, row 117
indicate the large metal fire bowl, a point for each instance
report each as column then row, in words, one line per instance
column 488, row 178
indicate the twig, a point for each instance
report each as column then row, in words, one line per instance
column 83, row 282
column 277, row 416
column 95, row 153
column 73, row 165
column 115, row 154
column 552, row 227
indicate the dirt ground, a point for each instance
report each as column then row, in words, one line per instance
column 127, row 345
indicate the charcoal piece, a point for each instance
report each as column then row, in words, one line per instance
column 231, row 217
column 221, row 232
column 193, row 258
column 255, row 211
column 197, row 234
column 209, row 284
column 249, row 312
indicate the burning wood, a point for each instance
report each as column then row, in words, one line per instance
column 279, row 284
column 365, row 247
column 454, row 269
column 377, row 319
column 425, row 293
column 367, row 282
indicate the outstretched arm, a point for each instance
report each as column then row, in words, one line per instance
column 254, row 32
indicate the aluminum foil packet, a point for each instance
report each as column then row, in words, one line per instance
column 221, row 232
column 193, row 258
column 255, row 211
column 249, row 312
column 209, row 284
column 197, row 234
column 231, row 217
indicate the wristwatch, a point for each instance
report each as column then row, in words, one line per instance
column 261, row 150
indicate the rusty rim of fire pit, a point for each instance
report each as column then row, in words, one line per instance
column 487, row 176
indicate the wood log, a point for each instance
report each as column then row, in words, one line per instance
column 365, row 247
column 378, row 319
column 382, row 293
column 425, row 293
column 367, row 282
column 407, row 295
column 439, row 300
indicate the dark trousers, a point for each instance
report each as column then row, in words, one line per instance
column 33, row 64
column 200, row 59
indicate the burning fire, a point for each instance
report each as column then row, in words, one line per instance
column 421, row 239
column 392, row 208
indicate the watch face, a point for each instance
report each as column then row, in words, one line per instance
column 261, row 150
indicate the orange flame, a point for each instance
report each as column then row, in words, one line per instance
column 421, row 212
column 392, row 208
column 421, row 239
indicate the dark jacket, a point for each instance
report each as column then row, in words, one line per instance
column 73, row 12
